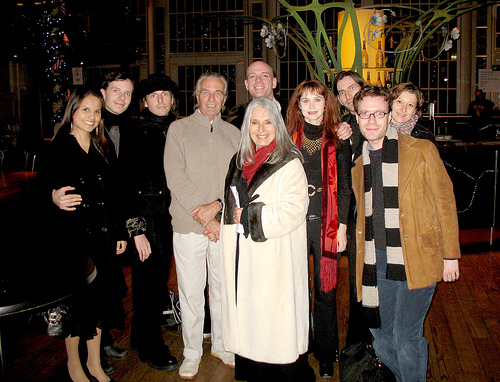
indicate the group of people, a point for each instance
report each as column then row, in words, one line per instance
column 104, row 180
column 242, row 204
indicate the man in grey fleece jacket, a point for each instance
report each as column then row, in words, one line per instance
column 198, row 150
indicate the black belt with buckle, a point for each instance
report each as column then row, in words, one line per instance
column 314, row 189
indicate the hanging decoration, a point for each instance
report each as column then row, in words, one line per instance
column 53, row 47
column 275, row 35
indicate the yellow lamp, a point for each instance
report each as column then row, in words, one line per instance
column 371, row 38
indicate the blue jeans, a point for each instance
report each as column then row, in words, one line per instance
column 400, row 341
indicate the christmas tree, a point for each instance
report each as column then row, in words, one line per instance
column 54, row 48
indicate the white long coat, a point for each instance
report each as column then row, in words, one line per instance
column 269, row 321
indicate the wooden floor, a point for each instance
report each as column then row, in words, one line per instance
column 462, row 327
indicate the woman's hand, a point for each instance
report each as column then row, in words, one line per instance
column 451, row 271
column 143, row 247
column 66, row 202
column 121, row 246
column 237, row 215
column 342, row 237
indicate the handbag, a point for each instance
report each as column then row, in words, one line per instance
column 57, row 320
column 172, row 313
column 358, row 363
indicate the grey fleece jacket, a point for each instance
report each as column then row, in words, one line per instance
column 197, row 156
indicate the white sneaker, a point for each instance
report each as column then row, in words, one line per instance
column 224, row 356
column 189, row 368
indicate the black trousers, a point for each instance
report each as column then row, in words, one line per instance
column 325, row 327
column 357, row 331
column 149, row 285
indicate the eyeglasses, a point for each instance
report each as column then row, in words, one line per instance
column 353, row 89
column 376, row 114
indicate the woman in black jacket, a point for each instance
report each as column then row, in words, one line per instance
column 150, row 224
column 79, row 174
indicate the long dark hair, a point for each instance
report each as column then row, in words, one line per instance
column 97, row 137
column 331, row 115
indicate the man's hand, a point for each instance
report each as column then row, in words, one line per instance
column 344, row 131
column 212, row 230
column 121, row 246
column 205, row 213
column 143, row 247
column 66, row 202
column 450, row 271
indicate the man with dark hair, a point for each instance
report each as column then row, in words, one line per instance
column 345, row 86
column 347, row 83
column 116, row 90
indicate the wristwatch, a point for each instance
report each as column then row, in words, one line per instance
column 221, row 205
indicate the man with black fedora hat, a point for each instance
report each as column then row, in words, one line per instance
column 150, row 223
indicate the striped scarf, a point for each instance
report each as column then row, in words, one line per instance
column 395, row 262
column 407, row 127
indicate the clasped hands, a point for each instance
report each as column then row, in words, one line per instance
column 204, row 215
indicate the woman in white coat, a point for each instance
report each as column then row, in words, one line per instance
column 264, row 252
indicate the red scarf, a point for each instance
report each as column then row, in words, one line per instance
column 329, row 213
column 260, row 157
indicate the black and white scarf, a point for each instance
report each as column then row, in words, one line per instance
column 395, row 262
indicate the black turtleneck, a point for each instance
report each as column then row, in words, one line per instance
column 111, row 119
column 153, row 121
column 313, row 131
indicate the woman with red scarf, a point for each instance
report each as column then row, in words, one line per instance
column 313, row 117
column 265, row 308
